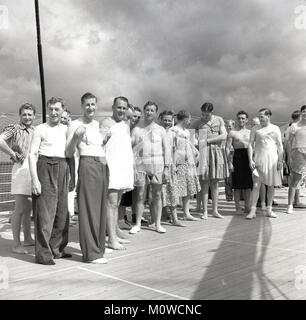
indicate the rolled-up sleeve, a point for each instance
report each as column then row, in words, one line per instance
column 8, row 132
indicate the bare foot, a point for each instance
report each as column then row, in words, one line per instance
column 29, row 243
column 189, row 217
column 217, row 215
column 121, row 234
column 204, row 216
column 178, row 224
column 116, row 246
column 120, row 240
column 19, row 249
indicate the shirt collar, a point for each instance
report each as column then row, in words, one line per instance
column 23, row 127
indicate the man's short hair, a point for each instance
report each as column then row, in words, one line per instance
column 230, row 121
column 121, row 98
column 137, row 109
column 27, row 106
column 150, row 103
column 88, row 95
column 55, row 100
column 207, row 107
column 166, row 113
column 295, row 114
column 182, row 114
column 303, row 108
column 267, row 111
column 242, row 112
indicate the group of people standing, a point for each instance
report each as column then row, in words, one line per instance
column 129, row 158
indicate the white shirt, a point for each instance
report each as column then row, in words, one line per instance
column 91, row 144
column 53, row 142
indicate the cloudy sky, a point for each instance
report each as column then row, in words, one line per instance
column 237, row 54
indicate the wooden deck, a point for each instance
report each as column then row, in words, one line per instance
column 231, row 258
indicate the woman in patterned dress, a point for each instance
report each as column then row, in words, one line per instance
column 187, row 179
column 170, row 198
column 213, row 165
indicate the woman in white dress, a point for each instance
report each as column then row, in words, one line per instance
column 266, row 158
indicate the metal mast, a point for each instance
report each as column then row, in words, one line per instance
column 40, row 63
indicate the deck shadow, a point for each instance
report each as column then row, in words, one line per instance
column 238, row 263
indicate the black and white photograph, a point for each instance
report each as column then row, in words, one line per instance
column 153, row 150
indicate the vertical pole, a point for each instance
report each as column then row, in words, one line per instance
column 40, row 63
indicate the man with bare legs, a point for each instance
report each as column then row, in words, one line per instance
column 121, row 177
column 239, row 162
column 15, row 141
column 296, row 148
column 151, row 155
column 213, row 165
column 265, row 153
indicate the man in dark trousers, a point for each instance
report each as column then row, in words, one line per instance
column 84, row 134
column 50, row 175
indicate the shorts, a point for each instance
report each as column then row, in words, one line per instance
column 143, row 178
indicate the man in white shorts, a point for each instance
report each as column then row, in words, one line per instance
column 15, row 141
column 152, row 159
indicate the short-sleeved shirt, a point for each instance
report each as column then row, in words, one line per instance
column 18, row 137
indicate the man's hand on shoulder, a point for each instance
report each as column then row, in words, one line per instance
column 106, row 123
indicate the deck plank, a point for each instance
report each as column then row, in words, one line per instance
column 214, row 259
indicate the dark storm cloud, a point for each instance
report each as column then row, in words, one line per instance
column 237, row 54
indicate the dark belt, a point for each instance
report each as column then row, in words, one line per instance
column 91, row 157
column 52, row 158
